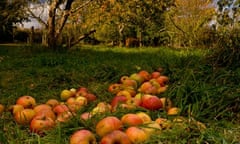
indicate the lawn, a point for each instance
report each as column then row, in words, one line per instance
column 208, row 94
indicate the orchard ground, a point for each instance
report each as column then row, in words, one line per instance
column 206, row 93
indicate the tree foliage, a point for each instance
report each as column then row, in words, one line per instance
column 10, row 13
column 187, row 20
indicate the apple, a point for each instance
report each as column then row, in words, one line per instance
column 81, row 100
column 82, row 91
column 41, row 123
column 26, row 101
column 115, row 137
column 138, row 78
column 144, row 116
column 162, row 80
column 85, row 115
column 129, row 82
column 162, row 89
column 115, row 88
column 46, row 112
column 173, row 111
column 16, row 108
column 131, row 119
column 124, row 93
column 60, row 108
column 101, row 108
column 1, row 108
column 83, row 137
column 42, row 107
column 151, row 102
column 65, row 94
column 52, row 102
column 151, row 128
column 155, row 74
column 123, row 78
column 117, row 100
column 107, row 125
column 91, row 97
column 148, row 88
column 24, row 116
column 145, row 74
column 136, row 134
column 64, row 117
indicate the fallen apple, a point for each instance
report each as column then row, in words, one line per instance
column 115, row 137
column 1, row 108
column 52, row 102
column 82, row 137
column 131, row 119
column 65, row 94
column 136, row 135
column 117, row 100
column 151, row 102
column 41, row 123
column 26, row 101
column 144, row 116
column 24, row 116
column 107, row 125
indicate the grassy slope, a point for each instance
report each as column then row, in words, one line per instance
column 208, row 94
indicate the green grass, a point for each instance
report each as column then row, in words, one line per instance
column 210, row 95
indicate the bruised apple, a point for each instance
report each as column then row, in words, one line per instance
column 83, row 137
column 115, row 137
column 60, row 108
column 52, row 102
column 15, row 108
column 107, row 125
column 1, row 108
column 26, row 101
column 41, row 123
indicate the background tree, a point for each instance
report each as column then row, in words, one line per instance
column 11, row 13
column 187, row 20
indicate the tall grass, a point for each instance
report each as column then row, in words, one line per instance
column 208, row 94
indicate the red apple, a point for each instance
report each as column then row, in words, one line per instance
column 148, row 88
column 91, row 97
column 60, row 108
column 138, row 78
column 155, row 74
column 41, row 123
column 162, row 80
column 145, row 74
column 115, row 137
column 117, row 100
column 26, row 101
column 24, row 116
column 47, row 113
column 151, row 102
column 124, row 93
column 107, row 125
column 129, row 82
column 83, row 137
column 136, row 134
column 82, row 91
column 131, row 119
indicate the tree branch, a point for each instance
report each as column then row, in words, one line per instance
column 38, row 18
column 82, row 37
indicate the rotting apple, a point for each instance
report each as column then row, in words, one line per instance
column 15, row 108
column 115, row 137
column 173, row 111
column 41, row 107
column 107, row 125
column 26, row 101
column 117, row 100
column 124, row 93
column 41, row 123
column 151, row 128
column 167, row 103
column 85, row 115
column 101, row 108
column 145, row 74
column 82, row 136
column 91, row 97
column 60, row 108
column 138, row 78
column 115, row 88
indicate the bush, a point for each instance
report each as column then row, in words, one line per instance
column 226, row 51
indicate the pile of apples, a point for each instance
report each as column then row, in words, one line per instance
column 142, row 90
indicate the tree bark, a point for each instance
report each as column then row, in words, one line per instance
column 81, row 38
